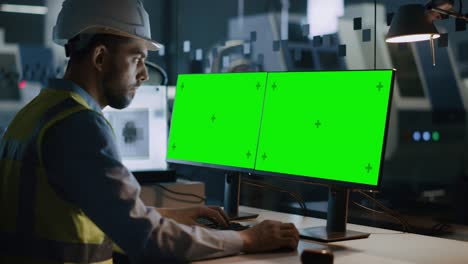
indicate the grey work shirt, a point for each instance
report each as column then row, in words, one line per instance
column 84, row 167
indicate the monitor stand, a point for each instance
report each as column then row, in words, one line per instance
column 231, row 197
column 336, row 220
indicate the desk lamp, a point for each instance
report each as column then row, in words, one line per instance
column 413, row 22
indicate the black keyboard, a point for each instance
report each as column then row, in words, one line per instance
column 212, row 224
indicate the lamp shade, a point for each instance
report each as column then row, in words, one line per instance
column 410, row 25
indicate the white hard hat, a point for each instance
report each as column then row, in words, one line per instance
column 126, row 18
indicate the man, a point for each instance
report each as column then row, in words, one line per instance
column 64, row 193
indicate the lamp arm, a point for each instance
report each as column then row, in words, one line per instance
column 450, row 13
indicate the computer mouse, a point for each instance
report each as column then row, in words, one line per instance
column 317, row 256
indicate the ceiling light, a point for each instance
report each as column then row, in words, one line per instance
column 24, row 9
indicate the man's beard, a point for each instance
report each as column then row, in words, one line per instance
column 116, row 98
column 118, row 101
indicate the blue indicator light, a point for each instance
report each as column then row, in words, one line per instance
column 426, row 136
column 416, row 135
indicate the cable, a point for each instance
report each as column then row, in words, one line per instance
column 377, row 202
column 202, row 199
column 440, row 228
column 388, row 211
column 437, row 229
column 367, row 208
column 296, row 197
column 185, row 177
column 305, row 182
column 403, row 224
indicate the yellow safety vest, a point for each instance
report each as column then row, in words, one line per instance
column 36, row 224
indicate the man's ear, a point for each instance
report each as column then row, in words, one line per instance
column 98, row 57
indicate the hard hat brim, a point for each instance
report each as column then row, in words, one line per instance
column 149, row 43
column 152, row 45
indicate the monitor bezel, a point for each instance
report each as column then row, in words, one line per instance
column 308, row 179
column 210, row 165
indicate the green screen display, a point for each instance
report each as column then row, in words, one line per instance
column 216, row 119
column 327, row 125
column 322, row 125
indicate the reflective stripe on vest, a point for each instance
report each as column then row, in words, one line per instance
column 24, row 242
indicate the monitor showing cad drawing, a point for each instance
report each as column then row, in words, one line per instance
column 141, row 129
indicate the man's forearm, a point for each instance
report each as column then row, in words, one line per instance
column 188, row 243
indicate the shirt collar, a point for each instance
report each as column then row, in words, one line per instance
column 62, row 84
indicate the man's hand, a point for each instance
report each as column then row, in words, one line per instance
column 189, row 215
column 270, row 235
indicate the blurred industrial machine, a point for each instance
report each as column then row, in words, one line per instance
column 262, row 34
column 23, row 71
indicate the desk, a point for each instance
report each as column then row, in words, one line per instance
column 382, row 247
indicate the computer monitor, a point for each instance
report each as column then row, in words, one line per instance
column 141, row 130
column 215, row 123
column 326, row 127
column 216, row 119
column 333, row 132
column 333, row 125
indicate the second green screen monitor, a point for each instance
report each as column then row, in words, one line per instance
column 325, row 125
